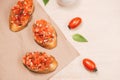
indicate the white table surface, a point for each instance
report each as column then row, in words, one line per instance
column 101, row 27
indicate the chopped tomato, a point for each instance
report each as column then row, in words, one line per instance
column 37, row 60
column 20, row 3
column 16, row 10
column 21, row 12
column 24, row 18
column 43, row 31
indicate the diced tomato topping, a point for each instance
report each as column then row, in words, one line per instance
column 24, row 18
column 28, row 3
column 37, row 60
column 43, row 31
column 15, row 10
column 20, row 3
column 22, row 10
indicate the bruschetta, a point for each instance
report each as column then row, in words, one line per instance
column 44, row 34
column 20, row 15
column 40, row 62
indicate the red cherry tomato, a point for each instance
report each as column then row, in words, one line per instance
column 89, row 65
column 75, row 22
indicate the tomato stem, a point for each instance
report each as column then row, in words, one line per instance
column 95, row 70
column 69, row 27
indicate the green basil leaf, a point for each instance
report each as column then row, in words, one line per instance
column 45, row 1
column 79, row 38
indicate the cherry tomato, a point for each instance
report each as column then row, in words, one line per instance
column 75, row 22
column 89, row 65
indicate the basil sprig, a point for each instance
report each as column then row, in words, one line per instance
column 45, row 2
column 79, row 38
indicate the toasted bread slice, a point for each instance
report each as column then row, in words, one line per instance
column 20, row 15
column 45, row 34
column 40, row 62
